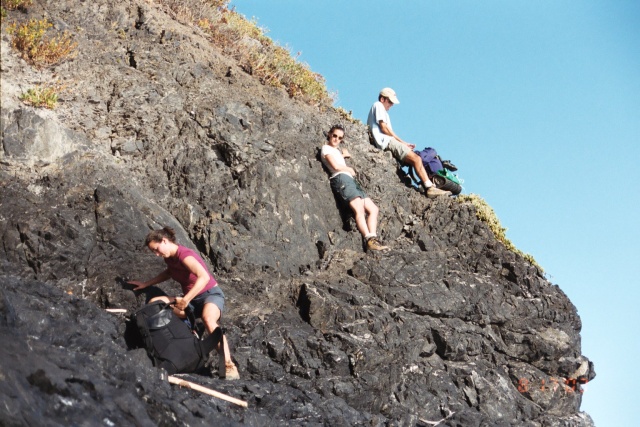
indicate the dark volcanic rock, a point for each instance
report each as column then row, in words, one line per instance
column 157, row 128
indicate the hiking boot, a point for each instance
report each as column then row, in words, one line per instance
column 433, row 192
column 231, row 372
column 448, row 165
column 373, row 244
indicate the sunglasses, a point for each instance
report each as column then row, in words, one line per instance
column 340, row 138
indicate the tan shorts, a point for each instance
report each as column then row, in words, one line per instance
column 398, row 149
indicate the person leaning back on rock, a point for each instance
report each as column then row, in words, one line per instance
column 385, row 138
column 348, row 190
column 200, row 289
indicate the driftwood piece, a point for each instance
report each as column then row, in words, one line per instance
column 205, row 390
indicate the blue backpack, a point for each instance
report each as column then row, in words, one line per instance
column 440, row 172
column 430, row 160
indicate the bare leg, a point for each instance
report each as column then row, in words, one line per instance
column 357, row 206
column 412, row 159
column 372, row 219
column 210, row 317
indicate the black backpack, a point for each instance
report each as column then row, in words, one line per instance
column 170, row 342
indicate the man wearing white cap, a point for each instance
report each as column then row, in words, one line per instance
column 384, row 138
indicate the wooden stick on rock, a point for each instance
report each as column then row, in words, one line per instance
column 205, row 390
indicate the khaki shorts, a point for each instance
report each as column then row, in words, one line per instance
column 398, row 149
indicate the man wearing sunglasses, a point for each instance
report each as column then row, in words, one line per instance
column 384, row 138
column 348, row 190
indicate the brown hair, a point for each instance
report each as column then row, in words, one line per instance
column 158, row 235
column 334, row 127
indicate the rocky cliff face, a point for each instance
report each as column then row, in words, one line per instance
column 155, row 128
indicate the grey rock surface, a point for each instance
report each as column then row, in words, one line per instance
column 156, row 127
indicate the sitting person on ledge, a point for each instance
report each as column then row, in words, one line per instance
column 383, row 136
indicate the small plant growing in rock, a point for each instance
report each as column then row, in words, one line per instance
column 41, row 96
column 16, row 4
column 485, row 213
column 346, row 115
column 30, row 39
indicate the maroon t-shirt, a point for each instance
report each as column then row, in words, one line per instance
column 181, row 274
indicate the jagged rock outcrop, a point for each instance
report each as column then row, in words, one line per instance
column 156, row 128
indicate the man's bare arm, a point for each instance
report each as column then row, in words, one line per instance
column 386, row 129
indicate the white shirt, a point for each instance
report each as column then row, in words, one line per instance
column 376, row 114
column 337, row 156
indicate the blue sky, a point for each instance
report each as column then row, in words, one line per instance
column 538, row 104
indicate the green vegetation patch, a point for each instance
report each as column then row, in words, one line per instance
column 485, row 213
column 16, row 4
column 36, row 47
column 45, row 96
column 257, row 54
